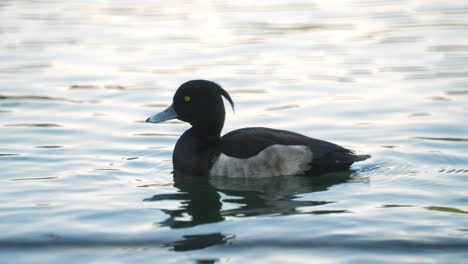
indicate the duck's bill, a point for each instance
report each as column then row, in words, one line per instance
column 165, row 115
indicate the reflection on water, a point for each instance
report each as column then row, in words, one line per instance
column 40, row 98
column 110, row 87
column 446, row 209
column 282, row 107
column 34, row 125
column 194, row 242
column 443, row 139
column 201, row 202
column 33, row 179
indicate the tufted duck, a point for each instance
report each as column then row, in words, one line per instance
column 246, row 152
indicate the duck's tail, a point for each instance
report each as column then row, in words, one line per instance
column 361, row 157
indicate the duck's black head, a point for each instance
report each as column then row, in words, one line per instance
column 199, row 103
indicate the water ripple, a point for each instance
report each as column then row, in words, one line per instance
column 449, row 139
column 42, row 98
column 42, row 125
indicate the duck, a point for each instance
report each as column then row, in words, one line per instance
column 252, row 152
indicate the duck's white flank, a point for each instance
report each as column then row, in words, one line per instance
column 275, row 160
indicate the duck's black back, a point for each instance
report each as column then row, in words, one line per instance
column 247, row 142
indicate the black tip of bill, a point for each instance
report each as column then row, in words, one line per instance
column 165, row 115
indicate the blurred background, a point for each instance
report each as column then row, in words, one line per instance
column 84, row 178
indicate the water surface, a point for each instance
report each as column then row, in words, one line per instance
column 85, row 179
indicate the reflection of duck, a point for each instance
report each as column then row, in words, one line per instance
column 247, row 152
column 202, row 204
column 198, row 199
column 194, row 242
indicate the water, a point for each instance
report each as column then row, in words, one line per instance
column 84, row 179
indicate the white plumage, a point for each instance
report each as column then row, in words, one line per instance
column 275, row 160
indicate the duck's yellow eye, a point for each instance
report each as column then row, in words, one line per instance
column 187, row 98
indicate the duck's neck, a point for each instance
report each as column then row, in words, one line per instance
column 208, row 133
column 209, row 126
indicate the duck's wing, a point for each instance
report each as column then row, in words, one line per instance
column 248, row 142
